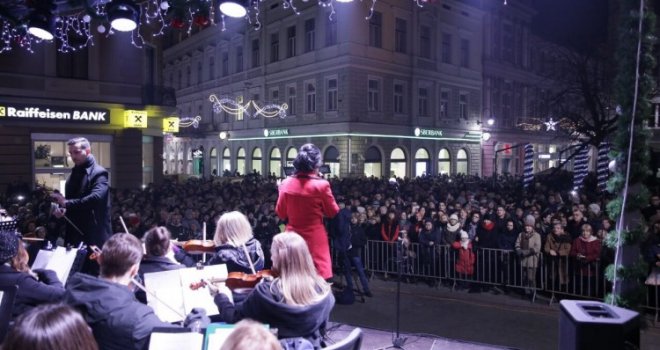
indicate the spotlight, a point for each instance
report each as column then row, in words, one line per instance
column 485, row 136
column 490, row 121
column 41, row 24
column 234, row 8
column 123, row 15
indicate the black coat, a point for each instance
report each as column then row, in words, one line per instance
column 236, row 259
column 266, row 305
column 117, row 319
column 31, row 292
column 341, row 230
column 88, row 204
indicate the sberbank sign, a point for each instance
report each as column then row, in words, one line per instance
column 428, row 132
column 276, row 132
column 55, row 114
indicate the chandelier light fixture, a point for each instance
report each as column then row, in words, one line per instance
column 123, row 15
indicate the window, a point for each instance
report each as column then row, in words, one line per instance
column 188, row 75
column 291, row 41
column 214, row 161
column 310, row 35
column 398, row 98
column 275, row 164
column 425, row 41
column 446, row 48
column 400, row 35
column 421, row 162
column 330, row 31
column 465, row 53
column 444, row 162
column 180, row 80
column 461, row 162
column 275, row 95
column 256, row 160
column 331, row 89
column 274, row 47
column 462, row 105
column 373, row 163
column 255, row 53
column 507, row 42
column 291, row 155
column 376, row 30
column 291, row 100
column 397, row 163
column 331, row 159
column 226, row 160
column 374, row 95
column 444, row 104
column 240, row 161
column 211, row 68
column 199, row 73
column 225, row 64
column 310, row 98
column 239, row 59
column 423, row 95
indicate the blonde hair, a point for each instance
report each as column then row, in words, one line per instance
column 298, row 280
column 250, row 335
column 233, row 228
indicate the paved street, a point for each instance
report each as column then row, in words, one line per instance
column 507, row 321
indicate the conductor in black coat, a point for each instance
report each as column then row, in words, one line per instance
column 87, row 202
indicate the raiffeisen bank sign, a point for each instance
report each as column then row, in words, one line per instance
column 55, row 114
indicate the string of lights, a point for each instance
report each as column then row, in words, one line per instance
column 71, row 28
column 250, row 109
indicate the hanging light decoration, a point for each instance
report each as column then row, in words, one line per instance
column 123, row 15
column 41, row 22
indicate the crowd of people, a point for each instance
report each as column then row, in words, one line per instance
column 252, row 221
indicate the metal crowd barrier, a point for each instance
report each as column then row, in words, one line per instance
column 561, row 276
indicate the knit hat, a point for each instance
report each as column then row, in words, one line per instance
column 529, row 220
column 453, row 217
column 464, row 234
column 8, row 245
column 594, row 208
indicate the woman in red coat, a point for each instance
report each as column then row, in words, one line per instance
column 304, row 200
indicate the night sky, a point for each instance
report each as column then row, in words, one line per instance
column 577, row 23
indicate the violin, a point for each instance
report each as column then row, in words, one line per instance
column 236, row 280
column 198, row 246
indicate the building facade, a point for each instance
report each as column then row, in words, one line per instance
column 399, row 94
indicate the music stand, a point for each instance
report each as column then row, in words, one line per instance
column 7, row 296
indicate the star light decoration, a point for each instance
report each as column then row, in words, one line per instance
column 74, row 29
column 551, row 125
column 249, row 109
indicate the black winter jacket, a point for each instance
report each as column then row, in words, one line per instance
column 31, row 292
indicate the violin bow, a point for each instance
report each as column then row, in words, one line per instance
column 204, row 240
column 247, row 255
column 123, row 224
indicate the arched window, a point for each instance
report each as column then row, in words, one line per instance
column 373, row 162
column 226, row 160
column 398, row 163
column 276, row 162
column 291, row 155
column 331, row 158
column 461, row 162
column 444, row 162
column 189, row 162
column 256, row 160
column 214, row 162
column 240, row 161
column 421, row 162
column 179, row 158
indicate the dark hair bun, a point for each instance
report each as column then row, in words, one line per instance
column 308, row 158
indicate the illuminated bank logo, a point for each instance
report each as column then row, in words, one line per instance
column 417, row 131
column 3, row 111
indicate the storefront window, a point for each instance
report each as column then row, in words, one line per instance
column 331, row 159
column 52, row 163
column 421, row 162
column 147, row 160
column 214, row 161
column 461, row 162
column 276, row 162
column 256, row 160
column 373, row 163
column 226, row 160
column 291, row 155
column 240, row 161
column 397, row 163
column 444, row 162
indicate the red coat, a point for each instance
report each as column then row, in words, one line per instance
column 304, row 200
column 465, row 261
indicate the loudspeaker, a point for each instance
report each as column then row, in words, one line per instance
column 586, row 325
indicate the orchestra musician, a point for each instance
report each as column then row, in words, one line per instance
column 34, row 287
column 235, row 244
column 304, row 199
column 297, row 302
column 86, row 207
column 108, row 304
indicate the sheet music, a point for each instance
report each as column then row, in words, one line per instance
column 59, row 260
column 176, row 341
column 173, row 288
